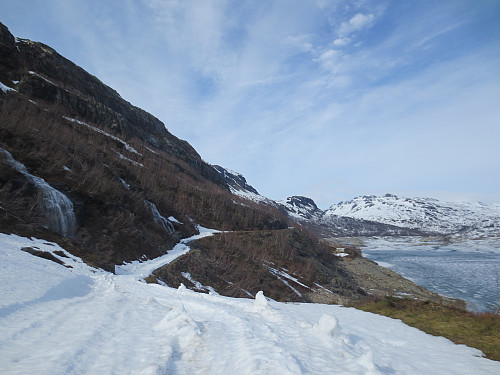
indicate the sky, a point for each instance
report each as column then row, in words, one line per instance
column 326, row 99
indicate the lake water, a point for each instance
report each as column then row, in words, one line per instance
column 465, row 269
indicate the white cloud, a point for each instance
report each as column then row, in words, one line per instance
column 340, row 42
column 356, row 23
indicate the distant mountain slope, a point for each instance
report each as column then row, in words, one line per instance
column 426, row 214
column 305, row 212
column 391, row 215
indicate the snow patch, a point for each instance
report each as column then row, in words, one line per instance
column 100, row 131
column 174, row 220
column 133, row 162
column 144, row 269
column 328, row 325
column 197, row 284
column 5, row 88
column 45, row 79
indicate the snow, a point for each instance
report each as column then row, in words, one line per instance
column 5, row 88
column 248, row 195
column 174, row 220
column 144, row 269
column 79, row 320
column 427, row 214
column 125, row 144
column 151, row 150
column 281, row 275
column 45, row 79
column 125, row 184
column 197, row 284
column 133, row 162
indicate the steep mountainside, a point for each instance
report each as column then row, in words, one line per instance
column 79, row 163
column 82, row 167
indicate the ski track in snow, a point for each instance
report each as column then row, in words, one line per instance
column 58, row 320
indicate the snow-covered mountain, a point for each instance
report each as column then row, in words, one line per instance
column 426, row 214
column 392, row 215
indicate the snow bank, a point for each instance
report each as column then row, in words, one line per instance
column 59, row 320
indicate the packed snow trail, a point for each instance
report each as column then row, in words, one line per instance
column 58, row 320
column 144, row 269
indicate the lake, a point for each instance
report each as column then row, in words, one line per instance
column 460, row 268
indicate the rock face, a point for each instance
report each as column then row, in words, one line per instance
column 235, row 181
column 43, row 74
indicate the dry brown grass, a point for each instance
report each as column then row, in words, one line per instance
column 481, row 331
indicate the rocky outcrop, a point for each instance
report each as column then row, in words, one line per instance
column 301, row 208
column 234, row 180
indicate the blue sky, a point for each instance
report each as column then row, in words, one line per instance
column 327, row 99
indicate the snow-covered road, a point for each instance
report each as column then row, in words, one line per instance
column 58, row 320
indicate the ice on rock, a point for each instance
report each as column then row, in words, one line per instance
column 56, row 207
column 159, row 219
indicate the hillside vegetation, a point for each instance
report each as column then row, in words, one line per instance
column 287, row 264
